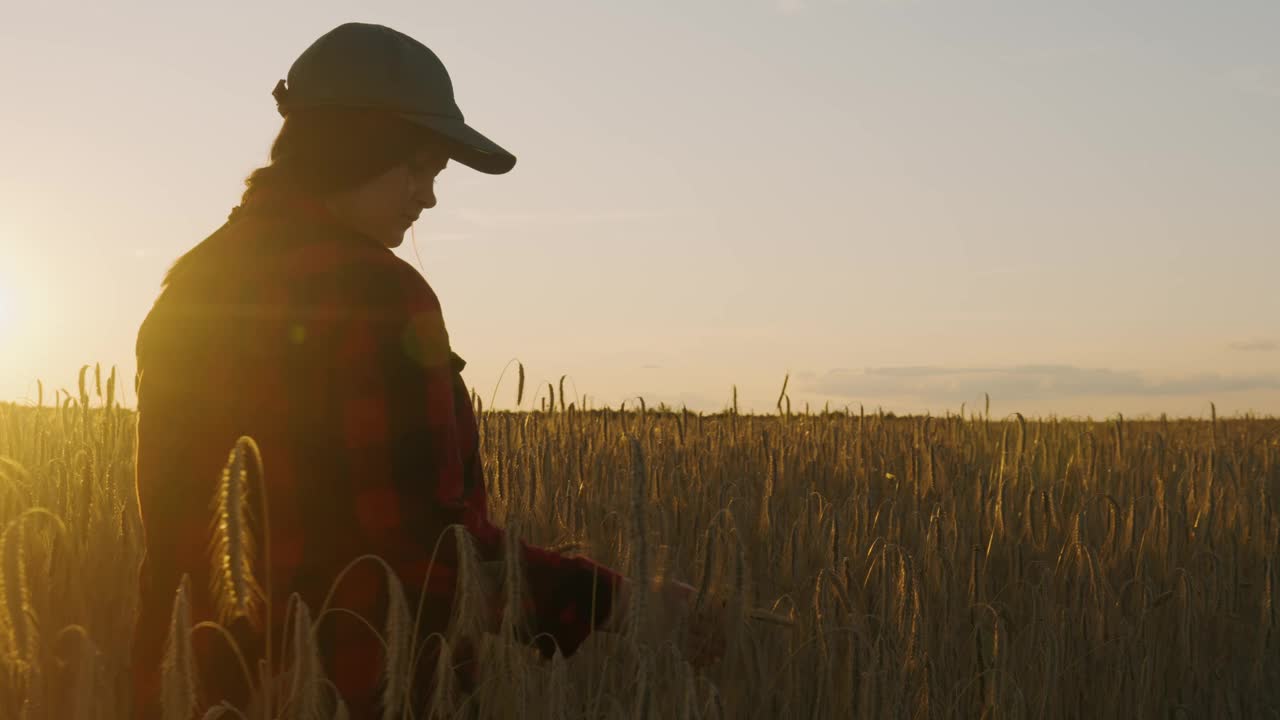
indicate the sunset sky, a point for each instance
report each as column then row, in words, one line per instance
column 901, row 204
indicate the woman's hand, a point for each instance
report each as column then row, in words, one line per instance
column 704, row 641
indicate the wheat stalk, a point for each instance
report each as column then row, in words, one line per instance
column 639, row 550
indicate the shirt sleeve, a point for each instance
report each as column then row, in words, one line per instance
column 404, row 394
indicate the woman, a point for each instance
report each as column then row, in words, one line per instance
column 295, row 324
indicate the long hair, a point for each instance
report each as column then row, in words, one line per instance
column 329, row 149
column 319, row 151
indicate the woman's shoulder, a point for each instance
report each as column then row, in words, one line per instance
column 302, row 251
column 376, row 273
column 255, row 264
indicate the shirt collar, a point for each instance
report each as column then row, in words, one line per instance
column 270, row 199
column 297, row 205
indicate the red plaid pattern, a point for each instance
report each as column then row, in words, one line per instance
column 332, row 354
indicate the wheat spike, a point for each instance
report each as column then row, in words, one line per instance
column 235, row 591
column 22, row 635
column 470, row 616
column 85, row 701
column 398, row 636
column 307, row 690
column 178, row 687
column 443, row 693
column 520, row 385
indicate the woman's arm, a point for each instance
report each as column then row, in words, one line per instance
column 400, row 389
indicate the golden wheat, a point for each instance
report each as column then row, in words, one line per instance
column 934, row 567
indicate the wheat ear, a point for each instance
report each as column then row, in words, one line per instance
column 398, row 636
column 307, row 689
column 235, row 591
column 178, row 667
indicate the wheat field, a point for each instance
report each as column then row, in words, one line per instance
column 922, row 567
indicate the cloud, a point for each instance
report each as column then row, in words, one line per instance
column 1255, row 345
column 1025, row 382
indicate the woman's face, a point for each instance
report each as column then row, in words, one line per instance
column 385, row 206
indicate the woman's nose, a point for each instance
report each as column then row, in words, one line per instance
column 427, row 199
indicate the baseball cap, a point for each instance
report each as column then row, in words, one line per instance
column 363, row 65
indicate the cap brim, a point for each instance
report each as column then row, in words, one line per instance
column 469, row 147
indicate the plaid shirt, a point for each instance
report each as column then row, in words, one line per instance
column 332, row 354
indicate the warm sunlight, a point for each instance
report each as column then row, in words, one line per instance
column 12, row 299
column 7, row 308
column 838, row 358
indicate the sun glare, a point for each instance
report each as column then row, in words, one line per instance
column 14, row 343
column 10, row 296
column 6, row 308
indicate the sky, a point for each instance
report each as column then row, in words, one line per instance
column 905, row 204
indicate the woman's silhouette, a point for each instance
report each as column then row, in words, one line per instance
column 294, row 324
